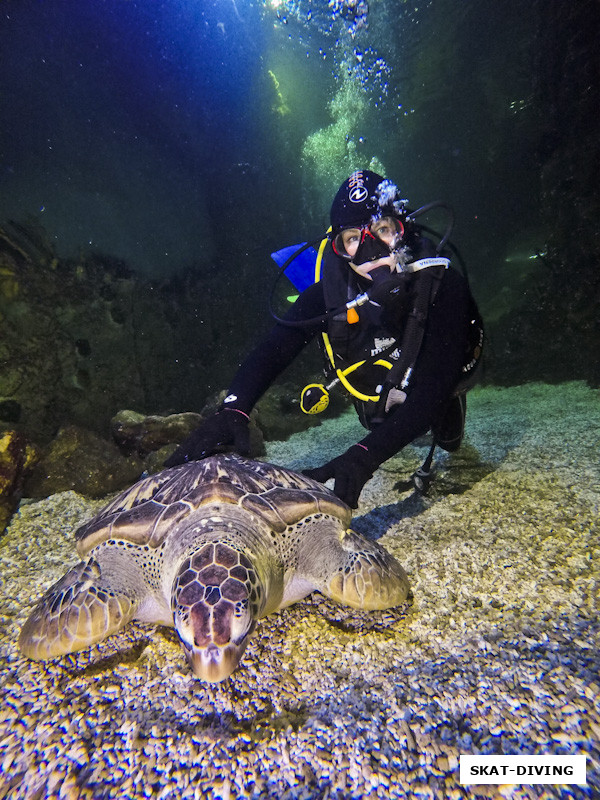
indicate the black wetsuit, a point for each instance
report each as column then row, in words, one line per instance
column 436, row 374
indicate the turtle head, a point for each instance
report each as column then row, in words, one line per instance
column 215, row 601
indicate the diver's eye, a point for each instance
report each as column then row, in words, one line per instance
column 384, row 231
column 350, row 239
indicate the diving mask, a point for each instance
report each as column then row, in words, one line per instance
column 377, row 240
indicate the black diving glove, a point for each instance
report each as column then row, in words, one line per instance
column 350, row 471
column 391, row 291
column 227, row 429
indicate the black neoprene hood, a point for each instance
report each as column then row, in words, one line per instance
column 356, row 201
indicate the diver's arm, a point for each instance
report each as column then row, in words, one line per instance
column 229, row 426
column 276, row 351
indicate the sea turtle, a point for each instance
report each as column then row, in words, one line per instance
column 210, row 547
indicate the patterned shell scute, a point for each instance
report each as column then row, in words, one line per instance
column 146, row 524
column 280, row 507
column 148, row 510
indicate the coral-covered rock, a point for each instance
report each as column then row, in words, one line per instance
column 154, row 438
column 17, row 458
column 80, row 460
column 141, row 434
column 82, row 338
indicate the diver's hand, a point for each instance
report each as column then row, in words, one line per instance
column 392, row 294
column 350, row 471
column 227, row 428
column 386, row 285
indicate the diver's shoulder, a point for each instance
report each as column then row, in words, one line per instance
column 455, row 285
column 313, row 295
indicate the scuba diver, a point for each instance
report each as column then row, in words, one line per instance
column 401, row 333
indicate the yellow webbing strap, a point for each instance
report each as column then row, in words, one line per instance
column 341, row 374
column 319, row 260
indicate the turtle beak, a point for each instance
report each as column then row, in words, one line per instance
column 214, row 663
column 212, row 611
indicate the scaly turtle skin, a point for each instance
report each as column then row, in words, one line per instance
column 210, row 547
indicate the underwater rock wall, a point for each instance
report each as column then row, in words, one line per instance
column 553, row 334
column 518, row 159
column 17, row 459
column 82, row 339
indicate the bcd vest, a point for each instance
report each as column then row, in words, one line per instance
column 382, row 334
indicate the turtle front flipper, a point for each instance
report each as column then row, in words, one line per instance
column 75, row 613
column 365, row 575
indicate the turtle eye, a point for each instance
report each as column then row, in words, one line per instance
column 186, row 644
column 244, row 635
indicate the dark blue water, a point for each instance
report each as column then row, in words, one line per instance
column 170, row 134
column 119, row 118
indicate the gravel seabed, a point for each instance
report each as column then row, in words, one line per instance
column 496, row 652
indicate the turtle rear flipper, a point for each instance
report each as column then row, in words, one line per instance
column 76, row 612
column 367, row 576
